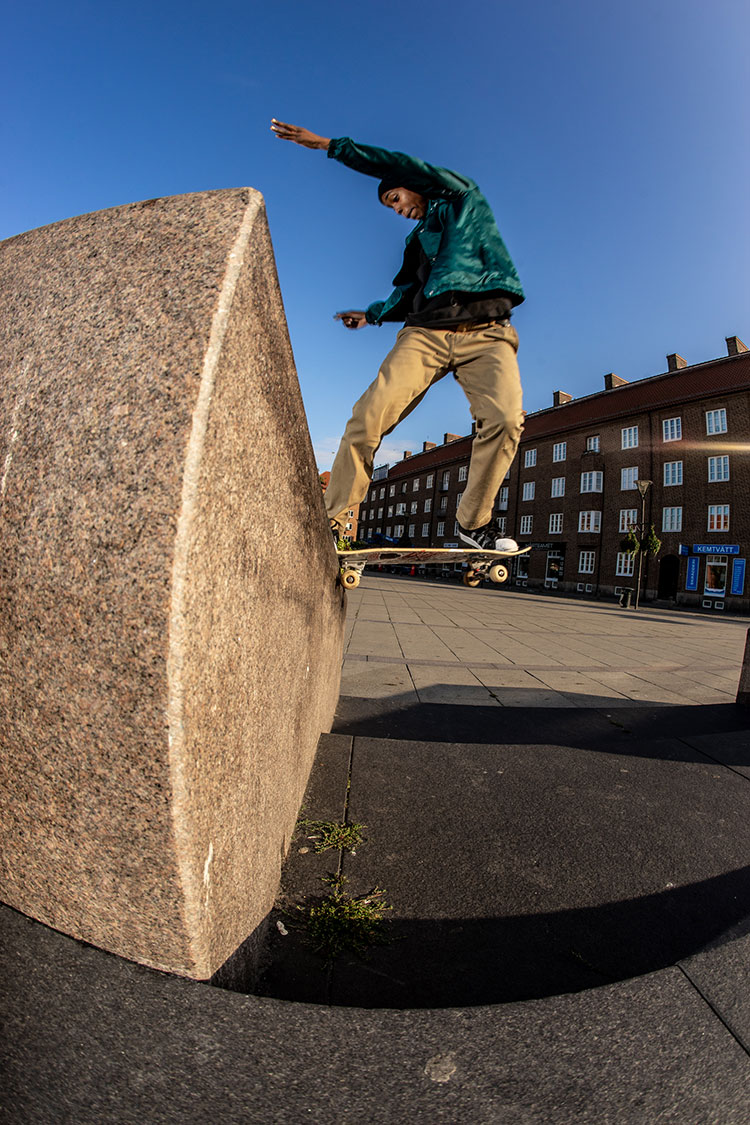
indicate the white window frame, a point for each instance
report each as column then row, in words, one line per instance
column 593, row 443
column 716, row 421
column 557, row 488
column 415, row 484
column 555, row 523
column 440, row 532
column 671, row 519
column 672, row 474
column 718, row 517
column 463, row 472
column 430, row 480
column 560, row 451
column 592, row 481
column 529, row 488
column 629, row 437
column 502, row 499
column 526, row 525
column 428, row 505
column 628, row 519
column 425, row 531
column 628, row 477
column 625, row 567
column 529, row 459
column 590, row 522
column 671, row 429
column 412, row 530
column 716, row 467
column 586, row 562
column 392, row 490
column 502, row 524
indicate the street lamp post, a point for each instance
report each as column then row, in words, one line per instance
column 643, row 487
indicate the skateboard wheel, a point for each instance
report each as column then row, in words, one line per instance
column 471, row 578
column 350, row 579
column 498, row 573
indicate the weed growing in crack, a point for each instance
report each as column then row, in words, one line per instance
column 339, row 921
column 329, row 834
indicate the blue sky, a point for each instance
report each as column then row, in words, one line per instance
column 610, row 139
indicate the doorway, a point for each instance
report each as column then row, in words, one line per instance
column 669, row 573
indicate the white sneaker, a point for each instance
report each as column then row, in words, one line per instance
column 487, row 538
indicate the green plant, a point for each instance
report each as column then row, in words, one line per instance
column 329, row 834
column 340, row 921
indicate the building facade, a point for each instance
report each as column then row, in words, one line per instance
column 669, row 451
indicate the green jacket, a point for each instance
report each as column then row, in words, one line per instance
column 458, row 234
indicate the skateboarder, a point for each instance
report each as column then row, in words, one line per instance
column 454, row 292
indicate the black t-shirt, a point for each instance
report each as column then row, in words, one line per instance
column 454, row 307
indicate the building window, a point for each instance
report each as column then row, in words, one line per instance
column 427, row 506
column 412, row 530
column 401, row 509
column 413, row 508
column 446, row 481
column 628, row 477
column 388, row 531
column 502, row 524
column 718, row 517
column 586, row 560
column 718, row 468
column 591, row 482
column 592, row 444
column 392, row 490
column 716, row 421
column 463, row 472
column 390, row 510
column 528, row 490
column 560, row 451
column 380, row 513
column 456, row 528
column 672, row 473
column 671, row 519
column 527, row 522
column 629, row 437
column 425, row 531
column 398, row 530
column 382, row 493
column 440, row 530
column 671, row 429
column 529, row 459
column 415, row 484
column 502, row 500
column 628, row 519
column 590, row 522
column 459, row 498
column 625, row 565
column 558, row 486
column 556, row 523
column 430, row 480
column 443, row 504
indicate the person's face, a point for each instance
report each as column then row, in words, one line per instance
column 404, row 202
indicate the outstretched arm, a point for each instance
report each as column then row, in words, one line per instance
column 298, row 135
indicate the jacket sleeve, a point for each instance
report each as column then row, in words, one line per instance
column 427, row 179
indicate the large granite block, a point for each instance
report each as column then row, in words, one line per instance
column 167, row 660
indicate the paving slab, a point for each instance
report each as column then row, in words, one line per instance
column 113, row 1042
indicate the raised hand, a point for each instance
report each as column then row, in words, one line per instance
column 352, row 318
column 298, row 135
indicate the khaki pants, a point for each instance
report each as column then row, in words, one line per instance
column 484, row 361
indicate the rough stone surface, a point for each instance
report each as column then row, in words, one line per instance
column 743, row 690
column 165, row 668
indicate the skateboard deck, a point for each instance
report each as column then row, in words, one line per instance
column 480, row 564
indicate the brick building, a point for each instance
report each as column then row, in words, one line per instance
column 572, row 493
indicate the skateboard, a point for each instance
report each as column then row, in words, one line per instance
column 480, row 564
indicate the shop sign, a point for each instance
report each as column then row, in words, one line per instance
column 738, row 576
column 691, row 582
column 716, row 549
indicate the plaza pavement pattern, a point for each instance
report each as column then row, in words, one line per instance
column 496, row 648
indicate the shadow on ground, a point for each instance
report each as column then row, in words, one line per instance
column 428, row 963
column 621, row 729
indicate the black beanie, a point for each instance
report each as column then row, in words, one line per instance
column 388, row 183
